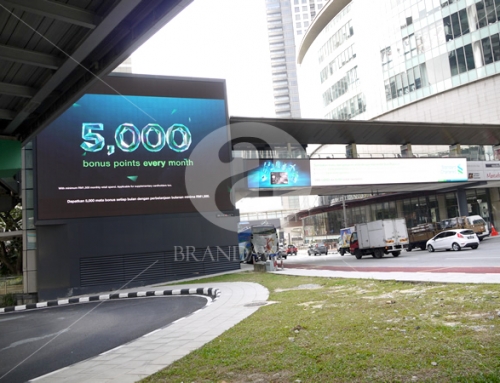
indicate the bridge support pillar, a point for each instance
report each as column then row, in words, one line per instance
column 463, row 209
column 455, row 150
column 406, row 150
column 351, row 151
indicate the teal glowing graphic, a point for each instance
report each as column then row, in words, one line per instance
column 158, row 133
column 280, row 174
column 186, row 138
column 89, row 135
column 128, row 138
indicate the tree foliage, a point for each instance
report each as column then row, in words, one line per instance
column 11, row 258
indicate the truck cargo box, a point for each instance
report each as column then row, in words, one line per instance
column 391, row 233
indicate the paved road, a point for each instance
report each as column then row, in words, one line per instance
column 485, row 259
column 34, row 343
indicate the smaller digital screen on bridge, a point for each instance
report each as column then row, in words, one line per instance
column 284, row 173
column 362, row 171
column 128, row 153
column 279, row 178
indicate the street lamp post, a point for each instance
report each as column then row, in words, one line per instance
column 344, row 210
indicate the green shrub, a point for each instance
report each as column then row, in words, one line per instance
column 7, row 300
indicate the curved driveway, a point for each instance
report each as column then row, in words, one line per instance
column 151, row 353
column 34, row 343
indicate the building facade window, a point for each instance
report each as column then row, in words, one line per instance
column 344, row 33
column 490, row 47
column 461, row 60
column 337, row 63
column 341, row 87
column 386, row 58
column 456, row 25
column 349, row 109
column 487, row 12
column 409, row 46
column 406, row 82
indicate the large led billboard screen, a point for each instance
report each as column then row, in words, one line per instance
column 124, row 147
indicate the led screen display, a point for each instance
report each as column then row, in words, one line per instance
column 115, row 154
column 279, row 178
column 292, row 174
column 387, row 171
column 285, row 173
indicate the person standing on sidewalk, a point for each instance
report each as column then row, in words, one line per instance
column 334, row 247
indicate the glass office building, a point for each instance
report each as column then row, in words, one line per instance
column 403, row 60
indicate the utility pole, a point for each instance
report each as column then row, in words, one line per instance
column 343, row 209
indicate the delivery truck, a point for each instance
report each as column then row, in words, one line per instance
column 420, row 234
column 474, row 222
column 377, row 238
column 345, row 237
column 258, row 243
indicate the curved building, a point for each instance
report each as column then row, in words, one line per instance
column 403, row 60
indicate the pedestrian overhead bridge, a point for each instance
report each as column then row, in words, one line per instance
column 251, row 139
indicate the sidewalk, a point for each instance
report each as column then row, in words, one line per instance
column 397, row 276
column 153, row 352
column 238, row 300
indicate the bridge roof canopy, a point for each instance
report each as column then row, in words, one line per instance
column 51, row 52
column 324, row 132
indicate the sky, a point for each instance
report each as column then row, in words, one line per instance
column 216, row 39
column 219, row 39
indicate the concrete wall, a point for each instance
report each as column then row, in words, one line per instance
column 81, row 256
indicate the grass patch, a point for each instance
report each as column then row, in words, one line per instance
column 353, row 331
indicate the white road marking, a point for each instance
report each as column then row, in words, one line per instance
column 477, row 258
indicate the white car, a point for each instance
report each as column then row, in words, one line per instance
column 454, row 240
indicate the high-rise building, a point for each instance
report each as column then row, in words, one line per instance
column 287, row 20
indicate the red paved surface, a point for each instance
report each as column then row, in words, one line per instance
column 470, row 270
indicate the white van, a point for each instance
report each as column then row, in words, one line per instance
column 477, row 219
